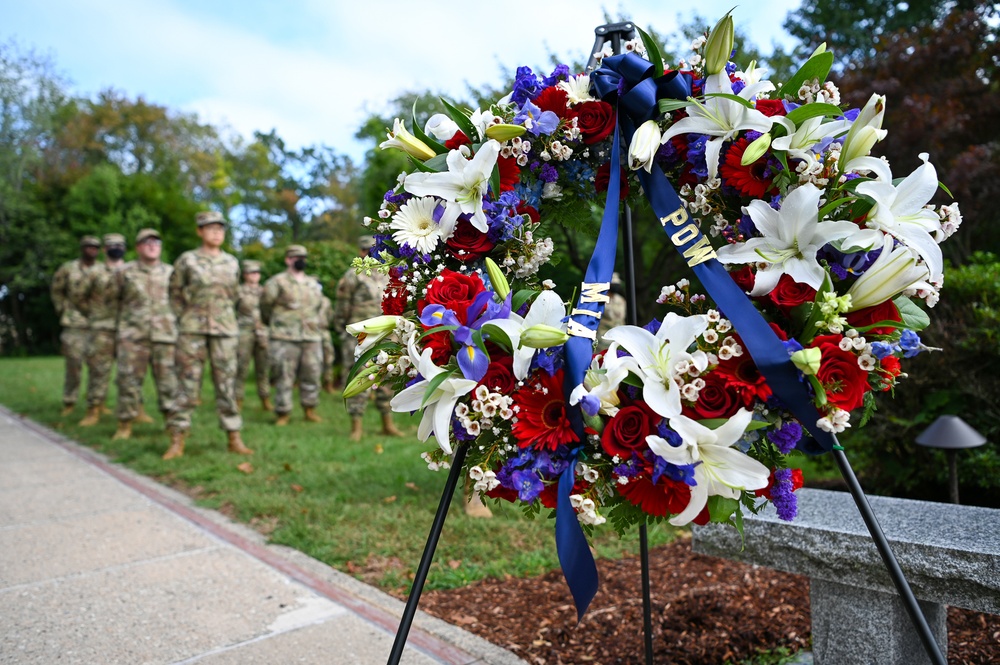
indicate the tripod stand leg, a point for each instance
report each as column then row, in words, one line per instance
column 428, row 556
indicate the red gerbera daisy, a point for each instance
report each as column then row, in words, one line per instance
column 541, row 416
column 742, row 374
column 667, row 497
column 751, row 180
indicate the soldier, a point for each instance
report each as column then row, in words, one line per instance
column 359, row 297
column 253, row 336
column 69, row 286
column 329, row 354
column 203, row 297
column 290, row 307
column 102, row 315
column 614, row 312
column 147, row 334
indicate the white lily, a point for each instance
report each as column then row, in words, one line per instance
column 645, row 143
column 463, row 185
column 440, row 127
column 372, row 331
column 720, row 469
column 602, row 381
column 548, row 309
column 658, row 357
column 865, row 132
column 721, row 118
column 900, row 212
column 401, row 139
column 894, row 271
column 803, row 137
column 791, row 238
column 439, row 406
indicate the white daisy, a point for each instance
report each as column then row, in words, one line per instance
column 414, row 225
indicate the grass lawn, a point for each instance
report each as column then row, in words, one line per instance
column 364, row 508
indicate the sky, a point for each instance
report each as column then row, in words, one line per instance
column 314, row 69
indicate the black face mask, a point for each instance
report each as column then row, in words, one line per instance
column 115, row 252
column 299, row 264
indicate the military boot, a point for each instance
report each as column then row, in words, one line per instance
column 236, row 444
column 124, row 430
column 105, row 411
column 474, row 506
column 311, row 415
column 66, row 410
column 142, row 417
column 92, row 418
column 176, row 448
column 355, row 429
column 281, row 420
column 388, row 426
column 265, row 404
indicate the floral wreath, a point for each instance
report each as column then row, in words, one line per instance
column 675, row 419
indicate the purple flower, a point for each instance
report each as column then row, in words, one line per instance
column 560, row 73
column 542, row 122
column 786, row 436
column 528, row 485
column 548, row 173
column 526, row 86
column 782, row 495
column 696, row 156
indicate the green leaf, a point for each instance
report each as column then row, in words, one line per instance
column 419, row 133
column 432, row 386
column 732, row 98
column 913, row 317
column 652, row 52
column 668, row 105
column 945, row 188
column 721, row 509
column 435, row 329
column 437, row 163
column 816, row 67
column 421, row 166
column 461, row 120
column 870, row 406
column 521, row 297
column 496, row 335
column 495, row 180
column 809, row 329
column 803, row 113
column 715, row 423
column 368, row 355
column 833, row 205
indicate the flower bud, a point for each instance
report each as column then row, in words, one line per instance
column 505, row 132
column 403, row 140
column 542, row 336
column 865, row 132
column 645, row 144
column 359, row 384
column 756, row 149
column 497, row 279
column 807, row 360
column 719, row 46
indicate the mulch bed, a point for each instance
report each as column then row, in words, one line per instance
column 705, row 611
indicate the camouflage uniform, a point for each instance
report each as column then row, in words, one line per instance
column 203, row 291
column 291, row 309
column 614, row 315
column 69, row 287
column 147, row 334
column 359, row 297
column 329, row 355
column 103, row 295
column 253, row 338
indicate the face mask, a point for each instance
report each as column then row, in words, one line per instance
column 299, row 264
column 115, row 252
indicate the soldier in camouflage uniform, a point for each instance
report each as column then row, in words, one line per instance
column 147, row 334
column 290, row 307
column 359, row 297
column 329, row 354
column 69, row 286
column 203, row 297
column 102, row 315
column 253, row 337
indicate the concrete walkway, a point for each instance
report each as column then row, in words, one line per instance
column 101, row 565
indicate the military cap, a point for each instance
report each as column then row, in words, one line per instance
column 90, row 241
column 295, row 250
column 250, row 266
column 366, row 242
column 209, row 217
column 113, row 239
column 146, row 234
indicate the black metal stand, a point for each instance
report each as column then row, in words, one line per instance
column 428, row 556
column 889, row 559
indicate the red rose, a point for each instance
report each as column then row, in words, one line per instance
column 627, row 431
column 453, row 290
column 789, row 294
column 395, row 296
column 718, row 399
column 457, row 141
column 440, row 345
column 468, row 243
column 499, row 377
column 887, row 311
column 595, row 120
column 510, row 173
column 771, row 107
column 845, row 382
column 744, row 278
column 603, row 179
column 553, row 99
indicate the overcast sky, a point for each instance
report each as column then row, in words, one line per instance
column 312, row 69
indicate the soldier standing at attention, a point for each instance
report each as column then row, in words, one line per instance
column 329, row 355
column 203, row 297
column 253, row 337
column 147, row 334
column 290, row 307
column 102, row 315
column 359, row 297
column 69, row 286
